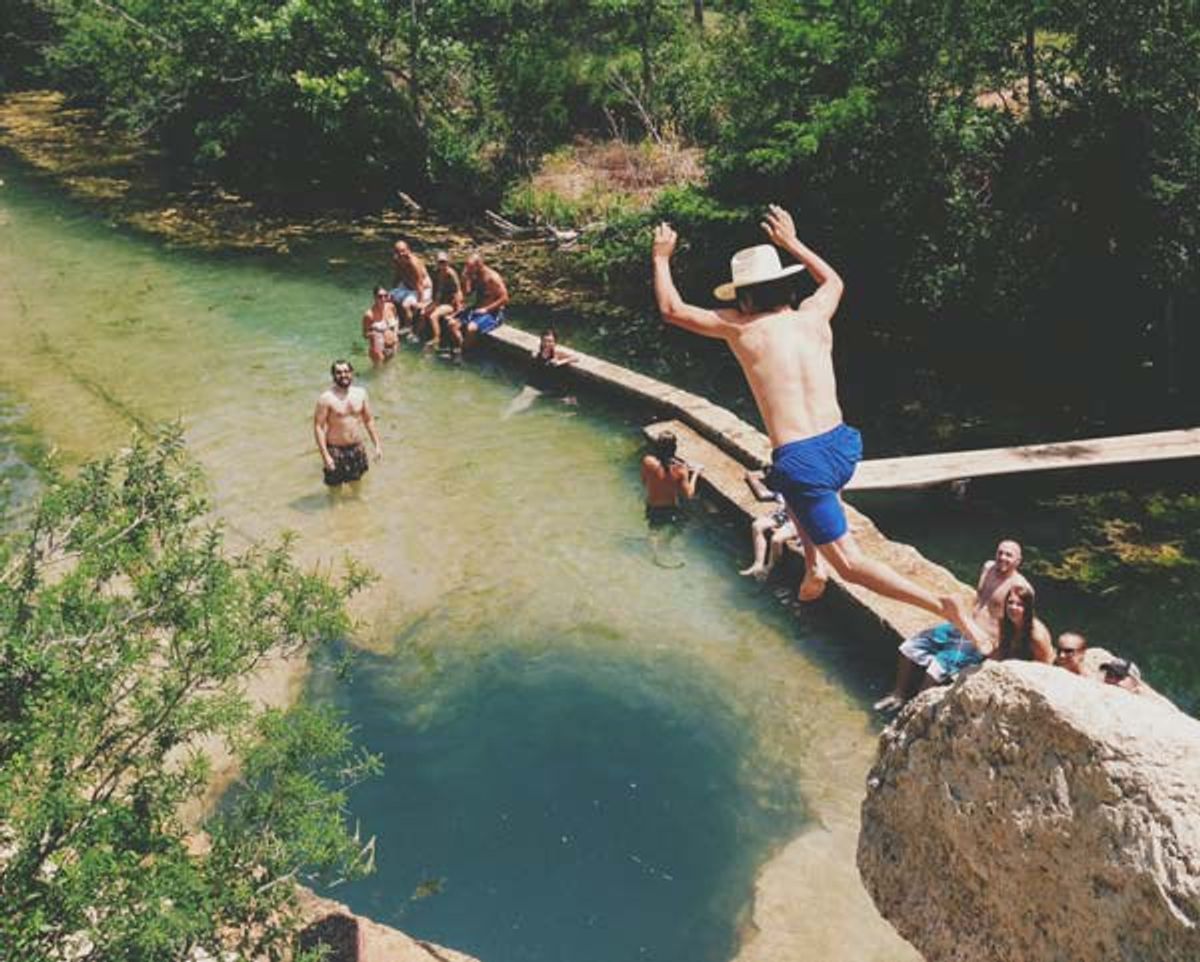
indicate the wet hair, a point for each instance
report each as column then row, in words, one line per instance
column 377, row 288
column 549, row 332
column 338, row 363
column 1017, row 642
column 664, row 448
column 768, row 296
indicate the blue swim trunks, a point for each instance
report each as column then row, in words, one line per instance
column 810, row 473
column 943, row 651
column 484, row 322
column 400, row 294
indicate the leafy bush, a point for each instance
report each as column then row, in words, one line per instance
column 127, row 632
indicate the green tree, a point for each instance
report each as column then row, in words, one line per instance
column 127, row 632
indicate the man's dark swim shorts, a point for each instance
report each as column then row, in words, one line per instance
column 810, row 473
column 349, row 463
column 661, row 515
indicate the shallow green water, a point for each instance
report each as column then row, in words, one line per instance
column 527, row 660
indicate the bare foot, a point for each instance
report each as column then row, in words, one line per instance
column 958, row 613
column 813, row 585
column 755, row 571
column 889, row 703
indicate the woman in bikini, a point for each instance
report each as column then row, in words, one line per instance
column 381, row 326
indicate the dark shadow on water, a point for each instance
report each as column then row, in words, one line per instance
column 558, row 806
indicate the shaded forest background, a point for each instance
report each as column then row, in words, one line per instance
column 1011, row 189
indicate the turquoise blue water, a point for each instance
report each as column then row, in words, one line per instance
column 552, row 807
column 531, row 667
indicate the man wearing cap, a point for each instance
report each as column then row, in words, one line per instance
column 785, row 349
column 447, row 298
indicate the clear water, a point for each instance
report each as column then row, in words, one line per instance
column 592, row 747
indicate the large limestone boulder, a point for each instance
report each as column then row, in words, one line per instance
column 1028, row 814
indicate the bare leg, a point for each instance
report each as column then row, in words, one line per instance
column 779, row 537
column 902, row 690
column 456, row 336
column 757, row 535
column 812, row 586
column 851, row 564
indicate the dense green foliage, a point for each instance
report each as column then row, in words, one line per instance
column 1022, row 176
column 127, row 633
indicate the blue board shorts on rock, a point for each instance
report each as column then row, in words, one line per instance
column 810, row 473
column 483, row 322
column 943, row 651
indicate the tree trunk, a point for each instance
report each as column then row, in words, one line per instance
column 1035, row 101
column 698, row 13
column 647, row 64
column 1171, row 345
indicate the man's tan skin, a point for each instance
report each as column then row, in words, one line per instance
column 447, row 299
column 786, row 356
column 996, row 577
column 491, row 295
column 341, row 415
column 665, row 486
column 410, row 271
column 1069, row 652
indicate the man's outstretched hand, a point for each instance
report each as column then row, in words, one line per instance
column 779, row 226
column 665, row 240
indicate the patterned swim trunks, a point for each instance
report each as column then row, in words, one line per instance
column 349, row 463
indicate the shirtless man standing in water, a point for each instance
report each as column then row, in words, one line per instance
column 342, row 412
column 785, row 350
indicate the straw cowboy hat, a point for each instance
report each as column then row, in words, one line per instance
column 754, row 265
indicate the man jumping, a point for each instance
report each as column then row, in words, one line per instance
column 785, row 349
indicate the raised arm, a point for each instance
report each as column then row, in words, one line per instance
column 781, row 230
column 673, row 307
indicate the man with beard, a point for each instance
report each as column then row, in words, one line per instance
column 342, row 413
column 928, row 649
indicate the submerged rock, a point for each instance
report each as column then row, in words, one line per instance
column 347, row 937
column 1029, row 814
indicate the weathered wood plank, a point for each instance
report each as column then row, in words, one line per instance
column 930, row 469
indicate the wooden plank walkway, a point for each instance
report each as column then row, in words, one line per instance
column 930, row 469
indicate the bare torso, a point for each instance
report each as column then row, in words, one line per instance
column 378, row 318
column 663, row 485
column 787, row 356
column 412, row 273
column 343, row 415
column 489, row 287
column 989, row 597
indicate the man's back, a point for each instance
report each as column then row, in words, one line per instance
column 787, row 356
column 664, row 483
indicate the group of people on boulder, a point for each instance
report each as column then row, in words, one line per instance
column 1005, row 613
column 432, row 308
